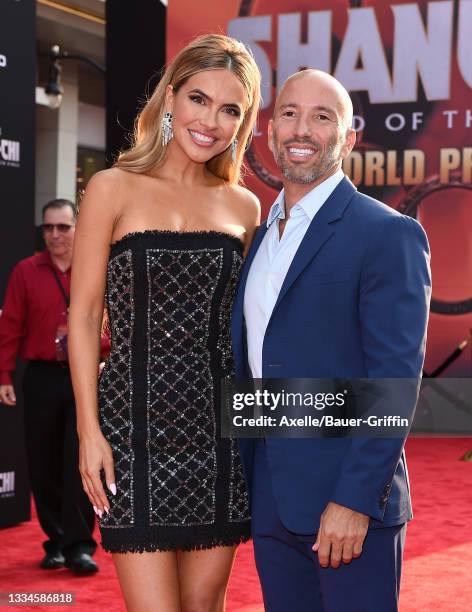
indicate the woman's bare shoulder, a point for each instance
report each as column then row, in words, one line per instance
column 108, row 189
column 245, row 200
column 109, row 180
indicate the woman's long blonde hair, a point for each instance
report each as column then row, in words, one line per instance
column 208, row 52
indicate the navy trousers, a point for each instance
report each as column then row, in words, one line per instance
column 291, row 576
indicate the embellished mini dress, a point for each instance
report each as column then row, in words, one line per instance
column 180, row 485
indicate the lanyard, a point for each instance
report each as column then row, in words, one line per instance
column 61, row 287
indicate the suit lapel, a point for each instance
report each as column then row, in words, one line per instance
column 318, row 233
column 261, row 232
column 239, row 301
column 237, row 318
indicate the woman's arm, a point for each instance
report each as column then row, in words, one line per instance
column 249, row 209
column 99, row 211
column 253, row 221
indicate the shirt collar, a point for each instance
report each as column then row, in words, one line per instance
column 277, row 210
column 44, row 258
column 311, row 201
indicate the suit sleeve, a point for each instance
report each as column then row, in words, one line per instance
column 395, row 292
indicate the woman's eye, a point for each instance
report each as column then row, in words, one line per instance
column 197, row 99
column 234, row 112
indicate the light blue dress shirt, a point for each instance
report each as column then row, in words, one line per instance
column 272, row 261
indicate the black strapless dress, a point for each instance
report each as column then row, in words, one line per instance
column 179, row 484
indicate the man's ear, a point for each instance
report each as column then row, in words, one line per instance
column 270, row 135
column 169, row 103
column 349, row 143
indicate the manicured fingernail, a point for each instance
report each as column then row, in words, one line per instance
column 100, row 513
column 112, row 488
column 95, row 509
column 106, row 509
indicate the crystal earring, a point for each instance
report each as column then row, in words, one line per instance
column 167, row 133
column 234, row 148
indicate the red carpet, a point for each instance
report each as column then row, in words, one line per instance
column 438, row 556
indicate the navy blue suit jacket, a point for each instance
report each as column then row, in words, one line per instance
column 354, row 304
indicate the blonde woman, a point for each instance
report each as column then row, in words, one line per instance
column 162, row 234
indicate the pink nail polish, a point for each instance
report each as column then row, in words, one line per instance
column 106, row 509
column 112, row 488
column 100, row 513
column 95, row 509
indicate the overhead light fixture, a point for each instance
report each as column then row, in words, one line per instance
column 53, row 89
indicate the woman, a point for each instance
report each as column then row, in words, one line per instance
column 163, row 234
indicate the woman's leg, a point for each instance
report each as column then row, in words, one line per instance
column 203, row 578
column 149, row 581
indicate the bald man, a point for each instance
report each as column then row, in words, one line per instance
column 336, row 285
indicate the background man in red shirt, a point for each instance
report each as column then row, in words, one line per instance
column 33, row 325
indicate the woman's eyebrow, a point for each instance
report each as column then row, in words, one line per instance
column 201, row 93
column 210, row 99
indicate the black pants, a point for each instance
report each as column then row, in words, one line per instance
column 64, row 511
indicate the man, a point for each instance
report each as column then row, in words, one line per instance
column 336, row 284
column 34, row 325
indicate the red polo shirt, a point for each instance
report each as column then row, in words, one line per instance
column 32, row 312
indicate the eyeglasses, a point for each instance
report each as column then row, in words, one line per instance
column 61, row 227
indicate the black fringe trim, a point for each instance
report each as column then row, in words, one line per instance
column 176, row 234
column 137, row 547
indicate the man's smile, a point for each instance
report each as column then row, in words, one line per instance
column 300, row 152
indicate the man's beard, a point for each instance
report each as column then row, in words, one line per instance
column 319, row 168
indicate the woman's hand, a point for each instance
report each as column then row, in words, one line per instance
column 95, row 454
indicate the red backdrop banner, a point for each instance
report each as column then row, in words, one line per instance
column 408, row 68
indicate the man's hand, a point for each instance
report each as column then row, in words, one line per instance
column 7, row 395
column 341, row 535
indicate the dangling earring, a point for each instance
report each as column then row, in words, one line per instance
column 167, row 133
column 234, row 148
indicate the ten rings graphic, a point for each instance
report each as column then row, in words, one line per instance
column 409, row 204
